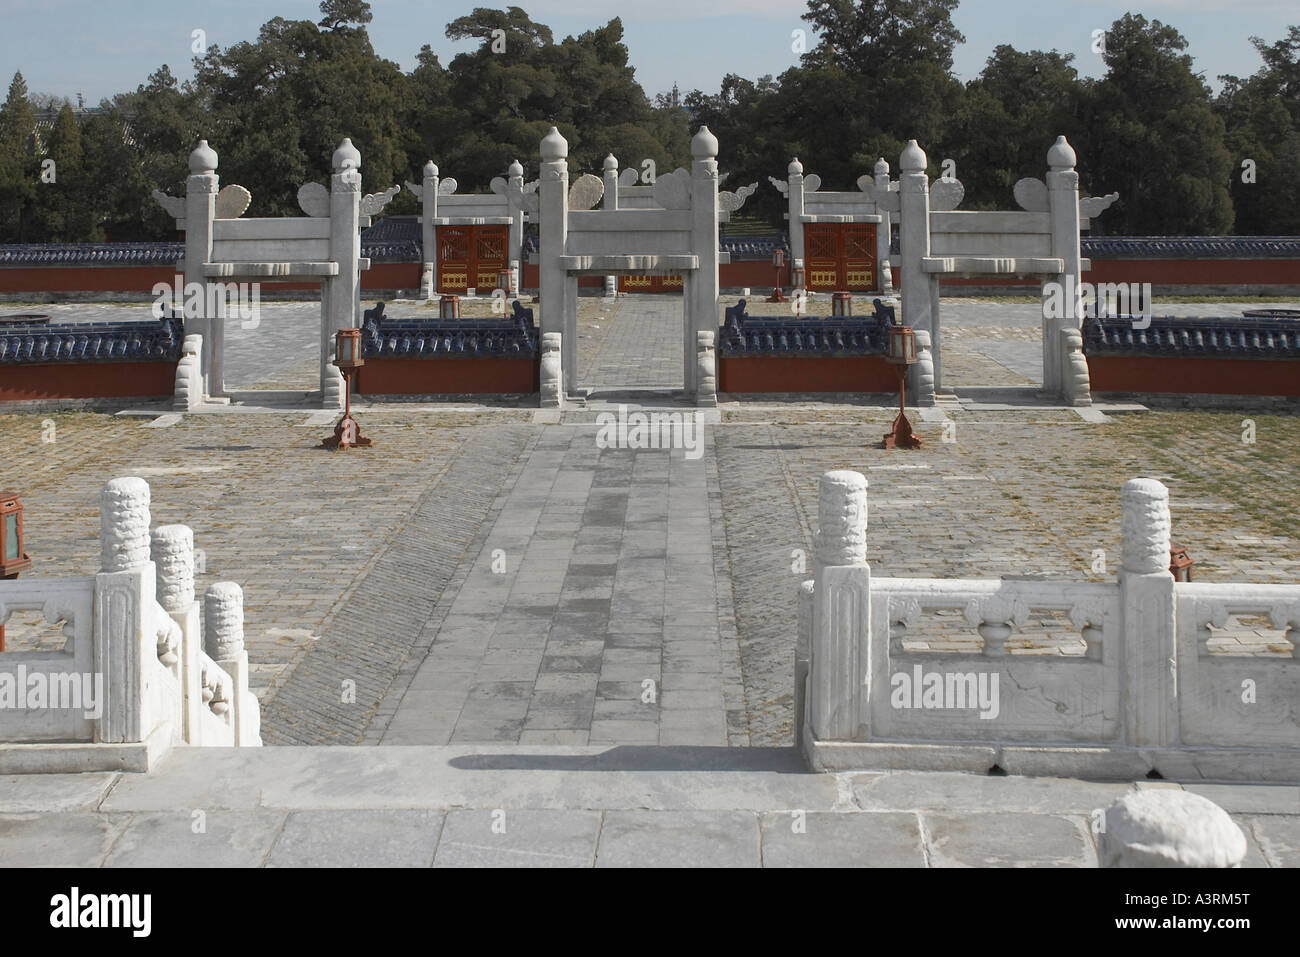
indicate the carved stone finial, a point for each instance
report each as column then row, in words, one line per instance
column 704, row 144
column 1145, row 526
column 1165, row 827
column 346, row 156
column 124, row 524
column 203, row 159
column 554, row 146
column 841, row 537
column 913, row 159
column 430, row 169
column 882, row 167
column 173, row 555
column 795, row 168
column 1061, row 156
column 610, row 162
column 515, row 168
column 223, row 621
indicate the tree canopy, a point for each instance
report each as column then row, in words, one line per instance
column 877, row 73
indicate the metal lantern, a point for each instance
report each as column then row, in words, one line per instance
column 449, row 307
column 778, row 258
column 504, row 281
column 902, row 345
column 347, row 356
column 901, row 353
column 1180, row 563
column 841, row 304
column 797, row 274
column 347, row 349
column 778, row 263
column 12, row 557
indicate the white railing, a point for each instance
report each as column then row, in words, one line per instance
column 137, row 674
column 1144, row 692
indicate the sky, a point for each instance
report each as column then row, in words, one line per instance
column 67, row 47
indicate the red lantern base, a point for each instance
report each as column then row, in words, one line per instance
column 776, row 295
column 902, row 436
column 347, row 434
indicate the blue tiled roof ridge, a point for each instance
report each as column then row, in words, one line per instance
column 110, row 341
column 1209, row 336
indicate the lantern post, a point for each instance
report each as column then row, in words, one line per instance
column 347, row 356
column 778, row 263
column 901, row 354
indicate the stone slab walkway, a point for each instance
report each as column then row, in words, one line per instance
column 523, row 806
column 591, row 612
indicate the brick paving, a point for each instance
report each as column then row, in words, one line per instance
column 603, row 587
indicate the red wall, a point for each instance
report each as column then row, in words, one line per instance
column 87, row 380
column 446, row 376
column 805, row 374
column 1188, row 374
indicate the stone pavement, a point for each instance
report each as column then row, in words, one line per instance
column 367, row 599
column 528, row 806
column 591, row 612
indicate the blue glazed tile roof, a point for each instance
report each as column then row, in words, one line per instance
column 812, row 336
column 1191, row 247
column 110, row 341
column 513, row 337
column 1227, row 337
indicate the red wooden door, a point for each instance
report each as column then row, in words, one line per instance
column 840, row 257
column 471, row 256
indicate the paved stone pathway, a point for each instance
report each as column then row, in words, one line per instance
column 591, row 612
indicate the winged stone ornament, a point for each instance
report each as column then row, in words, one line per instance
column 174, row 205
column 1091, row 206
column 447, row 185
column 373, row 203
column 781, row 186
column 733, row 201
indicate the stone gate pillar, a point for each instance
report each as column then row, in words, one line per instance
column 701, row 294
column 515, row 210
column 428, row 235
column 553, row 211
column 794, row 219
column 344, row 300
column 1063, row 209
column 885, row 279
column 200, row 209
column 609, row 201
column 919, row 310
